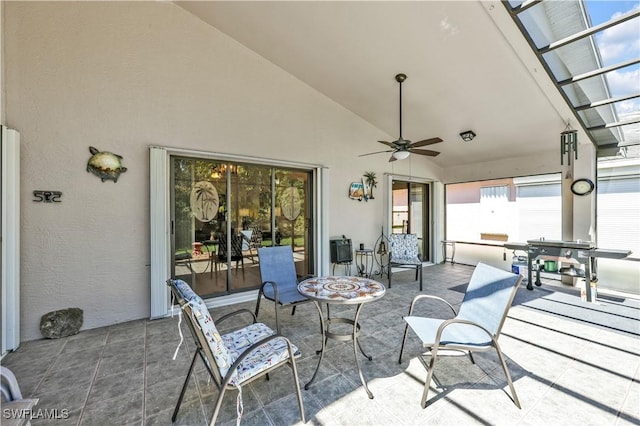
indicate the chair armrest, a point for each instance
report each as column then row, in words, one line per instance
column 276, row 294
column 252, row 348
column 459, row 321
column 239, row 311
column 428, row 296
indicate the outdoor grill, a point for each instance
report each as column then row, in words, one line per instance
column 580, row 252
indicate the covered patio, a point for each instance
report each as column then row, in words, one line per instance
column 562, row 352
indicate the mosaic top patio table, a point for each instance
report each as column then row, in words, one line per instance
column 341, row 290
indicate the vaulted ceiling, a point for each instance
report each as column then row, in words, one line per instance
column 468, row 68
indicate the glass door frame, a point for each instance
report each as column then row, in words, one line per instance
column 433, row 211
column 160, row 232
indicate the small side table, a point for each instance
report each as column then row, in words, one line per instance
column 347, row 267
column 341, row 291
column 364, row 262
column 452, row 245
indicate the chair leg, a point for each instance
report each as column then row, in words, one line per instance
column 277, row 319
column 420, row 269
column 389, row 275
column 216, row 411
column 296, row 383
column 432, row 363
column 506, row 373
column 184, row 387
column 258, row 302
column 293, row 311
column 404, row 339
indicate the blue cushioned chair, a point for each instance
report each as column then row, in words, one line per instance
column 403, row 253
column 475, row 327
column 279, row 279
column 236, row 358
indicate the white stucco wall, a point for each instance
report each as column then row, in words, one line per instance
column 122, row 77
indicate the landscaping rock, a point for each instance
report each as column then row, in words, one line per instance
column 62, row 323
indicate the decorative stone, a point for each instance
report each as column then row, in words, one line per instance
column 62, row 323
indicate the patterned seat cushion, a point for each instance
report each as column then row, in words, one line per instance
column 227, row 348
column 222, row 356
column 406, row 261
column 262, row 358
column 404, row 248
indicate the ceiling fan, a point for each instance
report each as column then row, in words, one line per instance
column 401, row 148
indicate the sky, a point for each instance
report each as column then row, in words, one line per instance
column 618, row 44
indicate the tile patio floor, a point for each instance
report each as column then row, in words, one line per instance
column 567, row 371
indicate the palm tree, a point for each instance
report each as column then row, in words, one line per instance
column 370, row 177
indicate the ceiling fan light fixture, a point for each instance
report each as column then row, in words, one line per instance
column 400, row 155
column 467, row 135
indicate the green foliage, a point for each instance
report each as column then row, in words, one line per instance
column 370, row 177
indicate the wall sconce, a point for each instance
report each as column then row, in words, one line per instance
column 467, row 135
column 568, row 143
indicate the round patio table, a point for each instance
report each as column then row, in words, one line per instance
column 341, row 290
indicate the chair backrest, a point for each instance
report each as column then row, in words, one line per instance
column 246, row 238
column 236, row 247
column 256, row 236
column 403, row 246
column 202, row 327
column 9, row 385
column 276, row 264
column 489, row 297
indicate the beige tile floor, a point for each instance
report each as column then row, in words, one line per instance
column 571, row 365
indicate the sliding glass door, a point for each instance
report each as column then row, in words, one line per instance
column 411, row 209
column 222, row 212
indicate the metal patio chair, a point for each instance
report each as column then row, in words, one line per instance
column 252, row 242
column 12, row 400
column 279, row 280
column 236, row 251
column 236, row 358
column 477, row 325
column 403, row 253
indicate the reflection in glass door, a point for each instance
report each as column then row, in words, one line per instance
column 222, row 212
column 292, row 215
column 411, row 209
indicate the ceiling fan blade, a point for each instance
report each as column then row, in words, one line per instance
column 425, row 142
column 377, row 152
column 392, row 158
column 390, row 144
column 424, row 152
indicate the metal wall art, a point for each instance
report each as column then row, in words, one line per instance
column 363, row 190
column 371, row 182
column 356, row 191
column 47, row 196
column 106, row 165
